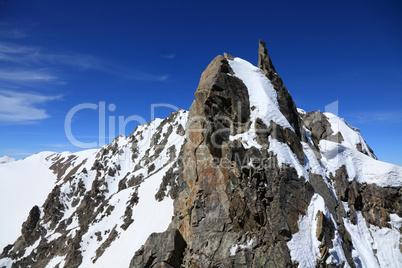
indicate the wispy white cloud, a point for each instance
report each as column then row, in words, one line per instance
column 133, row 74
column 377, row 116
column 57, row 145
column 17, row 54
column 16, row 49
column 23, row 154
column 145, row 77
column 26, row 75
column 29, row 56
column 83, row 62
column 18, row 107
column 169, row 56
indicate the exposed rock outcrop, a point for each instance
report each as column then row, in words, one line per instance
column 286, row 103
column 167, row 253
column 235, row 214
column 224, row 196
column 231, row 187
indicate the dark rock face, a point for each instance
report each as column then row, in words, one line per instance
column 31, row 231
column 320, row 128
column 29, row 226
column 375, row 202
column 224, row 201
column 161, row 250
column 321, row 188
column 325, row 231
column 223, row 99
column 53, row 208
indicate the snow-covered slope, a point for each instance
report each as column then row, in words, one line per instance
column 104, row 199
column 6, row 159
column 362, row 165
column 262, row 94
column 24, row 183
column 352, row 152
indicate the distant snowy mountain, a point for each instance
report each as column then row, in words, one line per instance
column 244, row 179
column 24, row 183
column 6, row 159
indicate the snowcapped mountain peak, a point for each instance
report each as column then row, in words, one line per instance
column 6, row 159
column 244, row 179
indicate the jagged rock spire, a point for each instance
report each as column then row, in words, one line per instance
column 264, row 61
column 240, row 198
column 286, row 103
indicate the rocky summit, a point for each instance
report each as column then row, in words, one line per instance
column 243, row 179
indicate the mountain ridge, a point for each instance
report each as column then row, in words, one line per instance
column 6, row 159
column 243, row 179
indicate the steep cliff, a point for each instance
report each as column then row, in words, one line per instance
column 244, row 179
column 267, row 186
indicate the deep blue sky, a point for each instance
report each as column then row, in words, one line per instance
column 58, row 54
